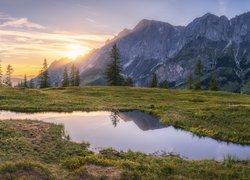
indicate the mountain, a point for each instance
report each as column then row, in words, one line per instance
column 172, row 51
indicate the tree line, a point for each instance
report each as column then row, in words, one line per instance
column 194, row 82
column 71, row 78
column 114, row 75
column 7, row 80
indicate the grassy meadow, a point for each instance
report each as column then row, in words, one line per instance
column 36, row 150
column 222, row 115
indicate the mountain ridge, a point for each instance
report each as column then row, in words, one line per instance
column 172, row 51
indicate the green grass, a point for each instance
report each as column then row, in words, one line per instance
column 36, row 150
column 23, row 169
column 221, row 115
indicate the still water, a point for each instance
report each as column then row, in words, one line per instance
column 135, row 131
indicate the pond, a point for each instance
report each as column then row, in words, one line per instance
column 135, row 131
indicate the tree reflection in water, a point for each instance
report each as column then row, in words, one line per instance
column 114, row 116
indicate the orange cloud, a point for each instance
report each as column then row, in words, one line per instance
column 25, row 44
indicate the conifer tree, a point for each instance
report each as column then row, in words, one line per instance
column 114, row 68
column 65, row 82
column 25, row 82
column 77, row 78
column 213, row 83
column 9, row 72
column 128, row 81
column 198, row 73
column 72, row 75
column 44, row 76
column 154, row 82
column 163, row 84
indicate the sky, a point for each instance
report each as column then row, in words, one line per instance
column 31, row 30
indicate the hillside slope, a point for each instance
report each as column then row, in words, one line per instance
column 172, row 52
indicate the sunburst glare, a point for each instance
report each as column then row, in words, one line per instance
column 75, row 50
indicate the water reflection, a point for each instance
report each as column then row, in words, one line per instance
column 136, row 131
column 144, row 121
column 114, row 116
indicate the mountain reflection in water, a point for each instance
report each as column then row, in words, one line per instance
column 135, row 131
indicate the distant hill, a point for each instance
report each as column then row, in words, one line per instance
column 171, row 52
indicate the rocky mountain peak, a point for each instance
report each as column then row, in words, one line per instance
column 209, row 16
column 171, row 52
column 145, row 23
column 240, row 27
column 208, row 26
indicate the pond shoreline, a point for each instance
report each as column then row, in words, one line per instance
column 201, row 135
column 144, row 122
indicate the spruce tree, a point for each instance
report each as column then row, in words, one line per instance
column 77, row 78
column 44, row 76
column 163, row 84
column 198, row 73
column 65, row 82
column 9, row 72
column 25, row 82
column 213, row 83
column 72, row 75
column 154, row 82
column 128, row 82
column 114, row 68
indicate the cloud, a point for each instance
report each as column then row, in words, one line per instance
column 20, row 23
column 31, row 47
column 20, row 43
column 25, row 42
column 90, row 20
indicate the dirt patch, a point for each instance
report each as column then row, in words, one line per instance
column 109, row 172
column 34, row 130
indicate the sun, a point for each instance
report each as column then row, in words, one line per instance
column 74, row 50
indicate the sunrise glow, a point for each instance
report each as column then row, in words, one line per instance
column 75, row 50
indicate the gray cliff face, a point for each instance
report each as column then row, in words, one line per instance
column 172, row 51
column 211, row 27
